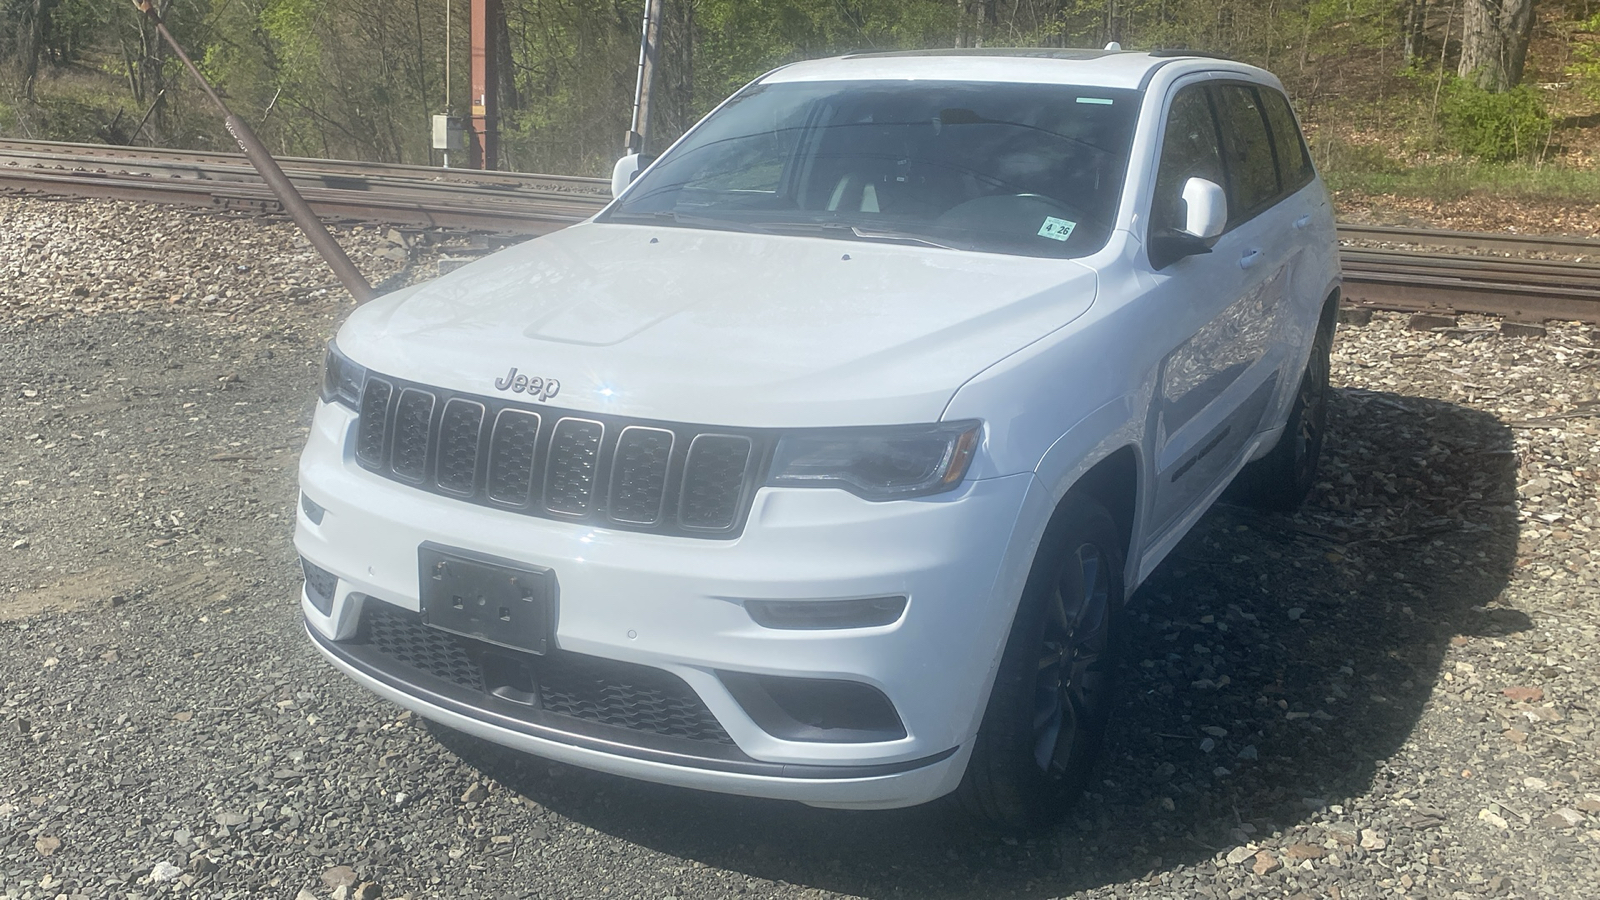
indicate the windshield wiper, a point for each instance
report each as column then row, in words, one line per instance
column 671, row 217
column 843, row 229
column 901, row 236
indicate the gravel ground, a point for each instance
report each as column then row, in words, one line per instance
column 1390, row 694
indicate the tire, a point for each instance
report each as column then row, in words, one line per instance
column 1047, row 713
column 1280, row 481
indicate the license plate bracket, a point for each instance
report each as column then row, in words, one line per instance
column 498, row 601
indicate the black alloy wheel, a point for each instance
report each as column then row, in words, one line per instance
column 1072, row 680
column 1056, row 684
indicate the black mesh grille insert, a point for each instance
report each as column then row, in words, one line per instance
column 639, row 474
column 574, row 455
column 613, row 471
column 411, row 417
column 403, row 637
column 628, row 696
column 374, row 421
column 713, row 481
column 607, row 692
column 459, row 428
column 511, row 454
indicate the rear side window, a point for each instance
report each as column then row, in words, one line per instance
column 1294, row 162
column 1189, row 149
column 1252, row 173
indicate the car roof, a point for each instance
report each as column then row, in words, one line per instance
column 1029, row 65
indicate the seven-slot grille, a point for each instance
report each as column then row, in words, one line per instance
column 559, row 464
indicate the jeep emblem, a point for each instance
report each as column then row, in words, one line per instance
column 541, row 389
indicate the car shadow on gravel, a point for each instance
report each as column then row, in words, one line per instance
column 1280, row 661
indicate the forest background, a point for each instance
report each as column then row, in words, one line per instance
column 1405, row 97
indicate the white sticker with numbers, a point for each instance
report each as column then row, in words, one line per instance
column 1056, row 229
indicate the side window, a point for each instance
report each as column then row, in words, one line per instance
column 1252, row 173
column 1293, row 159
column 1189, row 149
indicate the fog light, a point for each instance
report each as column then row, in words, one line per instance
column 320, row 585
column 798, row 614
column 815, row 709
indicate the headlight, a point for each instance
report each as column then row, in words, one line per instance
column 878, row 463
column 342, row 380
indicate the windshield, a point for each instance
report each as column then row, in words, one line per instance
column 1031, row 169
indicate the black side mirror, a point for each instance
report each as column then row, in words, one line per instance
column 1167, row 246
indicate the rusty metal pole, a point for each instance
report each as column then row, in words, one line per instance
column 649, row 50
column 484, row 122
column 293, row 203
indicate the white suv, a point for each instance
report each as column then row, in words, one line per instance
column 822, row 463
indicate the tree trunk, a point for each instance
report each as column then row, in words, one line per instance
column 33, row 43
column 1415, row 23
column 1494, row 42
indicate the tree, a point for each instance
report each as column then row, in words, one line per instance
column 1494, row 42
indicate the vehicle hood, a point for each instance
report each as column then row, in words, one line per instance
column 724, row 328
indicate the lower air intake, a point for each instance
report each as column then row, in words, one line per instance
column 587, row 688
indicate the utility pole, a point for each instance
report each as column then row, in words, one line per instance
column 294, row 204
column 649, row 50
column 484, row 123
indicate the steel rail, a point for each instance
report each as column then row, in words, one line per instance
column 24, row 153
column 1375, row 275
column 1482, row 240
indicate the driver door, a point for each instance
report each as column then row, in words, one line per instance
column 1214, row 387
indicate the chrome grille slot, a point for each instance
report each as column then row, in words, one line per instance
column 639, row 475
column 374, row 421
column 713, row 481
column 460, row 427
column 611, row 471
column 511, row 453
column 571, row 465
column 412, row 415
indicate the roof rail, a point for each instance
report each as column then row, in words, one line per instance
column 1179, row 51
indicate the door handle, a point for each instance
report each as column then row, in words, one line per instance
column 1302, row 222
column 1250, row 258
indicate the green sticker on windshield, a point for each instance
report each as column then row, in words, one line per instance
column 1056, row 229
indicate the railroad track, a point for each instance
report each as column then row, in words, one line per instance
column 408, row 196
column 1378, row 273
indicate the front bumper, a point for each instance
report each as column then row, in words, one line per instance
column 676, row 604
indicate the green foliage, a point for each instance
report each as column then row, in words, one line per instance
column 1334, row 154
column 1584, row 68
column 1492, row 126
column 1454, row 179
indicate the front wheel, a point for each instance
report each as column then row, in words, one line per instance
column 1052, row 696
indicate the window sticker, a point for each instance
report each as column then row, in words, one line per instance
column 1097, row 101
column 1056, row 229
